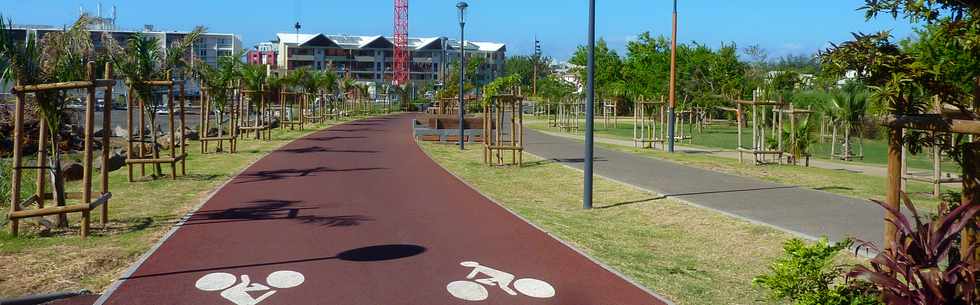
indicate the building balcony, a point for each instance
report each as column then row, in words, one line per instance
column 301, row 57
column 364, row 58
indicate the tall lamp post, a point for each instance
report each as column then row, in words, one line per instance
column 461, row 6
column 589, row 110
column 673, row 83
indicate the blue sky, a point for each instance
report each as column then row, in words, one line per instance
column 780, row 26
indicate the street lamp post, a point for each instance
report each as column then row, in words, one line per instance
column 589, row 110
column 673, row 84
column 461, row 6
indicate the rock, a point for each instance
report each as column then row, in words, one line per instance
column 72, row 171
column 118, row 131
column 164, row 142
column 191, row 135
column 116, row 161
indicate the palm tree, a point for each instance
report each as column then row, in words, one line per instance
column 220, row 83
column 254, row 79
column 142, row 60
column 58, row 57
column 848, row 107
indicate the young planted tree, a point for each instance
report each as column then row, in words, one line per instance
column 220, row 84
column 59, row 56
column 848, row 107
column 254, row 81
column 142, row 60
column 915, row 267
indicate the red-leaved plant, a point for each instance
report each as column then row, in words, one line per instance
column 917, row 269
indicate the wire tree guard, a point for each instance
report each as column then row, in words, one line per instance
column 648, row 123
column 209, row 107
column 86, row 202
column 256, row 121
column 289, row 115
column 569, row 114
column 140, row 155
column 503, row 112
column 938, row 123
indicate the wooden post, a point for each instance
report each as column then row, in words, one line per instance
column 89, row 130
column 87, row 137
column 738, row 124
column 971, row 190
column 106, row 134
column 173, row 131
column 129, row 136
column 142, row 138
column 15, row 167
column 183, row 127
column 894, row 182
column 42, row 162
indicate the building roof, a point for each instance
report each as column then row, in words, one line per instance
column 381, row 42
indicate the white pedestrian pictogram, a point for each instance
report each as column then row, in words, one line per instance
column 240, row 293
column 473, row 288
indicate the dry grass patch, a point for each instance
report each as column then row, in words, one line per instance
column 42, row 261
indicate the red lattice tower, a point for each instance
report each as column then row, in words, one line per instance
column 401, row 42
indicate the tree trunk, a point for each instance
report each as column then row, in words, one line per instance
column 847, row 144
column 157, row 169
column 57, row 179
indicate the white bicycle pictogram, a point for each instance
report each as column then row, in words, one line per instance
column 241, row 292
column 475, row 289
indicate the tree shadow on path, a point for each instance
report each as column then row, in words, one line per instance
column 280, row 174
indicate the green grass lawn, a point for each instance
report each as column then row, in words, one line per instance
column 687, row 254
column 726, row 137
column 139, row 214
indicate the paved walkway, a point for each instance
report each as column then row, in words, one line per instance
column 854, row 167
column 802, row 211
column 357, row 214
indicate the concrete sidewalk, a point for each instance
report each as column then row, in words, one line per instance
column 808, row 213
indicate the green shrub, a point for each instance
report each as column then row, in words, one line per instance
column 808, row 275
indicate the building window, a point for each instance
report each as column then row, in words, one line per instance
column 202, row 52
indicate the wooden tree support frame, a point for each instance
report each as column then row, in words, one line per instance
column 971, row 165
column 314, row 110
column 685, row 125
column 936, row 179
column 503, row 111
column 86, row 203
column 139, row 155
column 209, row 107
column 257, row 121
column 759, row 149
column 610, row 111
column 794, row 116
column 648, row 124
column 288, row 117
column 569, row 114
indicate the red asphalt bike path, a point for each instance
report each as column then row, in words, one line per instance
column 358, row 214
